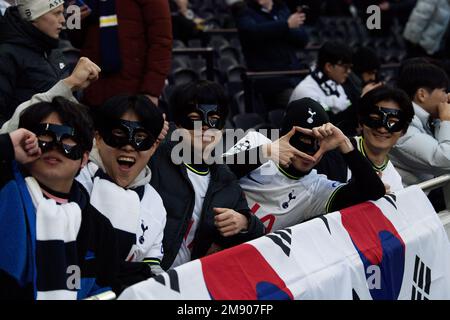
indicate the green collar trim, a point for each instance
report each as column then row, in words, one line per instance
column 363, row 151
column 290, row 176
column 201, row 173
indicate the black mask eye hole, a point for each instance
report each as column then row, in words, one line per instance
column 68, row 141
column 140, row 136
column 119, row 133
column 375, row 116
column 45, row 137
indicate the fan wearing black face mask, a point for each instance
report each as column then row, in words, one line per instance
column 283, row 188
column 206, row 208
column 384, row 116
column 118, row 180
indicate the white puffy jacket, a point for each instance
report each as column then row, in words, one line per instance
column 428, row 23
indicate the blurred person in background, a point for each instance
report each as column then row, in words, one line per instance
column 132, row 43
column 270, row 36
column 29, row 33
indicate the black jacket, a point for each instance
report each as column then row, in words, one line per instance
column 267, row 41
column 27, row 63
column 173, row 185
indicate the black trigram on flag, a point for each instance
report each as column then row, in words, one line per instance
column 422, row 281
column 282, row 238
column 173, row 280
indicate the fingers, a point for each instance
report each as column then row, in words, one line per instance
column 230, row 222
column 303, row 155
column 304, row 131
column 220, row 210
column 323, row 131
column 289, row 135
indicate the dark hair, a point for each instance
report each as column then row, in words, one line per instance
column 365, row 60
column 418, row 74
column 333, row 52
column 71, row 114
column 197, row 92
column 387, row 93
column 114, row 108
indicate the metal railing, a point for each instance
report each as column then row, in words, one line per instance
column 107, row 295
column 438, row 182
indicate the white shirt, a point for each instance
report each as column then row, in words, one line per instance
column 309, row 88
column 389, row 175
column 278, row 200
column 200, row 182
column 3, row 6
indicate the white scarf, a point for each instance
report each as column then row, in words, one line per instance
column 125, row 210
column 57, row 226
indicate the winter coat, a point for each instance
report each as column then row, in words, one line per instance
column 420, row 155
column 173, row 184
column 428, row 23
column 145, row 42
column 27, row 63
column 267, row 41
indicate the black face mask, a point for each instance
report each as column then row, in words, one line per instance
column 304, row 143
column 125, row 132
column 390, row 119
column 206, row 111
column 55, row 136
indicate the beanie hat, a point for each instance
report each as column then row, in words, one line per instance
column 306, row 113
column 30, row 10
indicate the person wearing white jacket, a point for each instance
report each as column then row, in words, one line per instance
column 3, row 6
column 424, row 151
column 428, row 24
column 324, row 83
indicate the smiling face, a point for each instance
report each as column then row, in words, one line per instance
column 123, row 164
column 53, row 169
column 52, row 22
column 304, row 165
column 205, row 137
column 380, row 140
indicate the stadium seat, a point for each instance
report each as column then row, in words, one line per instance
column 182, row 76
column 234, row 73
column 248, row 120
column 239, row 102
column 178, row 44
column 224, row 63
column 276, row 117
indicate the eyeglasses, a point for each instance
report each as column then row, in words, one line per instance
column 346, row 66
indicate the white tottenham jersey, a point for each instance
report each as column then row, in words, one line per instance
column 278, row 200
column 200, row 182
column 389, row 175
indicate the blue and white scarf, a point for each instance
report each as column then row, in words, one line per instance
column 42, row 247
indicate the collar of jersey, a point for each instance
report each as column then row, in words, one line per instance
column 363, row 151
column 196, row 171
column 287, row 175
